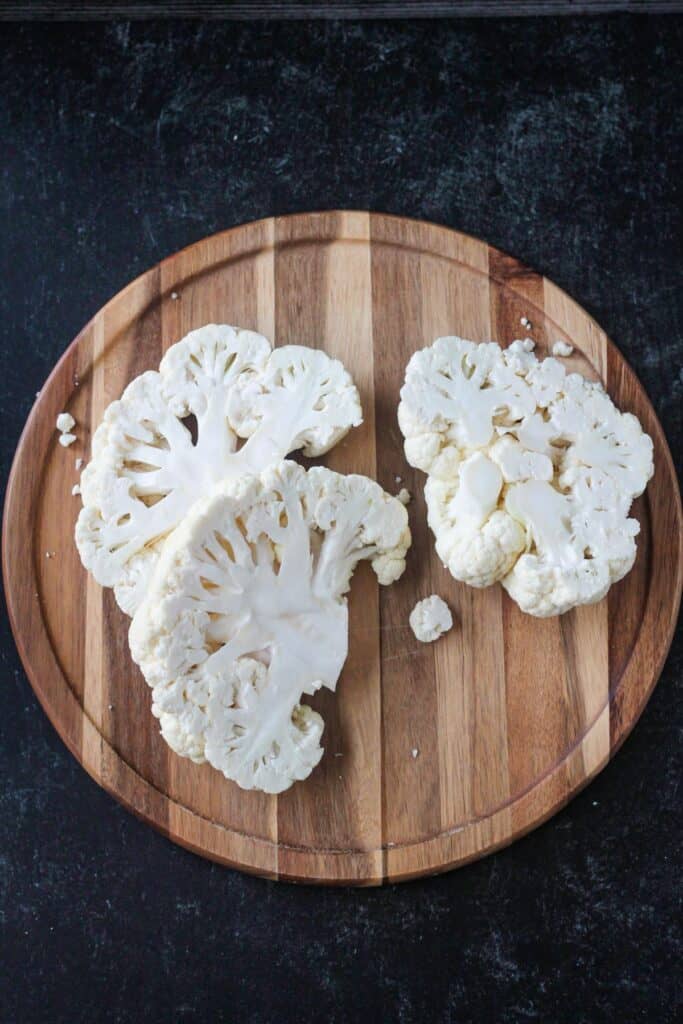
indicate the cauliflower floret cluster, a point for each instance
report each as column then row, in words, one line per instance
column 246, row 613
column 531, row 472
column 177, row 432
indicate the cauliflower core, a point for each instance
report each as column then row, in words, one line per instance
column 245, row 613
column 175, row 434
column 530, row 472
column 430, row 619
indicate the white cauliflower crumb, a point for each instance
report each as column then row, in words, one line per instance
column 78, row 463
column 75, row 489
column 398, row 479
column 531, row 472
column 65, row 422
column 246, row 614
column 174, row 296
column 562, row 349
column 404, row 496
column 66, row 439
column 414, row 753
column 525, row 322
column 430, row 619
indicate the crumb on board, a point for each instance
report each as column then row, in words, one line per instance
column 66, row 439
column 75, row 489
column 49, row 554
column 174, row 296
column 526, row 322
column 404, row 496
column 78, row 463
column 562, row 349
column 398, row 479
column 414, row 753
column 65, row 422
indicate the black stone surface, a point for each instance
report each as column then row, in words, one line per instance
column 557, row 140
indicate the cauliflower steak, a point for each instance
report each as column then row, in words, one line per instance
column 531, row 471
column 246, row 613
column 175, row 433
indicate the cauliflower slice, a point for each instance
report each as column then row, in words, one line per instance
column 246, row 613
column 174, row 435
column 531, row 472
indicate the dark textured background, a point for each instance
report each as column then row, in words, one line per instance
column 557, row 140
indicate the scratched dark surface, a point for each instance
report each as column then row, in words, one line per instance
column 558, row 140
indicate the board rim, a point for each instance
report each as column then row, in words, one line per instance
column 43, row 692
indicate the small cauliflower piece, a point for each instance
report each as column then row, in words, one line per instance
column 175, row 433
column 475, row 540
column 65, row 422
column 404, row 496
column 430, row 619
column 562, row 349
column 531, row 472
column 67, row 439
column 245, row 614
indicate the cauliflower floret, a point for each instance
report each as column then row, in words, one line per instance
column 476, row 542
column 430, row 619
column 245, row 613
column 174, row 435
column 531, row 472
column 445, row 392
column 560, row 575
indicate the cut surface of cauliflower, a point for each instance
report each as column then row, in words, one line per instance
column 531, row 472
column 430, row 619
column 246, row 613
column 177, row 432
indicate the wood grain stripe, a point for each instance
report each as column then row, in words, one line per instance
column 243, row 295
column 93, row 677
column 409, row 692
column 323, row 300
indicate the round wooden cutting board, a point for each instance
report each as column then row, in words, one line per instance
column 435, row 754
